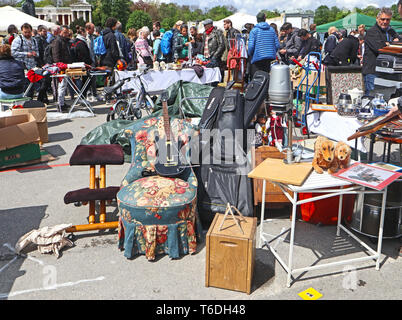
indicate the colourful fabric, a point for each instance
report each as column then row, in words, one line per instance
column 143, row 49
column 157, row 214
column 157, row 191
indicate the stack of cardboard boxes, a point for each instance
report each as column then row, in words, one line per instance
column 21, row 135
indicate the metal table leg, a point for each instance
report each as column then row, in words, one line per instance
column 292, row 238
column 80, row 94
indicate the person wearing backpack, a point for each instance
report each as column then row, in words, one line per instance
column 43, row 45
column 167, row 40
column 61, row 53
column 158, row 55
column 112, row 54
column 12, row 32
column 181, row 44
column 330, row 43
column 90, row 38
column 132, row 37
column 25, row 49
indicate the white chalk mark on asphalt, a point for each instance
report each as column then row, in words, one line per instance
column 4, row 267
column 53, row 287
column 61, row 285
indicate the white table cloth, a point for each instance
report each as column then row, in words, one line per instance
column 155, row 81
column 335, row 127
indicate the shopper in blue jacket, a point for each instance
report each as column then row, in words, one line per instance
column 263, row 45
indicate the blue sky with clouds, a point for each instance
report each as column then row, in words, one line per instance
column 253, row 6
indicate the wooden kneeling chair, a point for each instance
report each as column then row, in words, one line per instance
column 93, row 155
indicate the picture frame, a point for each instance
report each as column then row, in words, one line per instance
column 368, row 175
column 387, row 166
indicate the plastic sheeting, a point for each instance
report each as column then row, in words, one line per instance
column 113, row 131
column 192, row 108
column 109, row 133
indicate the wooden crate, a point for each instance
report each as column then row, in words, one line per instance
column 76, row 72
column 273, row 194
column 230, row 254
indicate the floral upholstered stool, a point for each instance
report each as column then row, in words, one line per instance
column 157, row 215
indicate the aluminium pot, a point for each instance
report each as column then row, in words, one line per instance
column 367, row 221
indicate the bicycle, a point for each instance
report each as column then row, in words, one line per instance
column 129, row 103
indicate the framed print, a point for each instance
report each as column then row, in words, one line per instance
column 367, row 175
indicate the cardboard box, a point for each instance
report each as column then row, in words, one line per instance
column 18, row 130
column 230, row 254
column 40, row 115
column 311, row 77
column 19, row 155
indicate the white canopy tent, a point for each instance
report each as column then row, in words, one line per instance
column 10, row 15
column 239, row 19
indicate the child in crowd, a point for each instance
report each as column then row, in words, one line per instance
column 142, row 47
column 158, row 55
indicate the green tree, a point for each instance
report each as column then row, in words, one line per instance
column 77, row 22
column 121, row 10
column 44, row 3
column 219, row 12
column 369, row 11
column 322, row 15
column 332, row 13
column 271, row 14
column 139, row 19
column 395, row 15
column 342, row 14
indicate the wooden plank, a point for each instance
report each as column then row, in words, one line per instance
column 278, row 171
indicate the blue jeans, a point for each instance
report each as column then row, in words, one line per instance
column 369, row 83
column 7, row 96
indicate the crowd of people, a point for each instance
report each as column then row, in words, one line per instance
column 27, row 49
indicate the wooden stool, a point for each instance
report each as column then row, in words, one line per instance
column 93, row 155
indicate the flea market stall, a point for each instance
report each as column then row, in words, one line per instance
column 206, row 157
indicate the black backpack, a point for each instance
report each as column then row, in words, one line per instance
column 73, row 49
column 47, row 54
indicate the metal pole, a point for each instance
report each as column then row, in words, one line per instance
column 292, row 237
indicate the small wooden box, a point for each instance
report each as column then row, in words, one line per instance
column 230, row 253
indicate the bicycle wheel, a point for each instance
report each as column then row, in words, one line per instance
column 110, row 115
column 120, row 110
column 147, row 105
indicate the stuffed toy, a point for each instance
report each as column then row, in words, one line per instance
column 342, row 154
column 324, row 156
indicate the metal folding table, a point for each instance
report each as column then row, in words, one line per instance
column 80, row 92
column 327, row 185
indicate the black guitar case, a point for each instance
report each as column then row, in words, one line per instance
column 211, row 110
column 222, row 183
column 222, row 175
column 254, row 96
